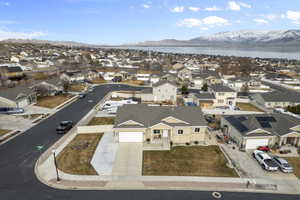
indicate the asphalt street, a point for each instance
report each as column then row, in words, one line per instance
column 19, row 155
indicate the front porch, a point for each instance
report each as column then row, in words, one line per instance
column 158, row 139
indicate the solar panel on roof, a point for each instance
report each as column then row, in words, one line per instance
column 265, row 124
column 237, row 124
column 242, row 118
column 266, row 119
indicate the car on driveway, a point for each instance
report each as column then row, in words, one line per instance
column 265, row 161
column 8, row 110
column 283, row 165
column 263, row 148
column 64, row 127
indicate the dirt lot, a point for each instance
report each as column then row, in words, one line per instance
column 76, row 157
column 52, row 101
column 3, row 132
column 295, row 162
column 187, row 161
column 98, row 81
column 137, row 82
column 101, row 121
column 248, row 107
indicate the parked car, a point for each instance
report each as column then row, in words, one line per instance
column 64, row 127
column 265, row 161
column 263, row 148
column 82, row 95
column 283, row 165
column 9, row 110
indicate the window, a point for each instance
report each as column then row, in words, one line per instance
column 156, row 131
column 220, row 101
column 197, row 130
column 180, row 132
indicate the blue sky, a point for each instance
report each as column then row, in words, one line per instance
column 128, row 21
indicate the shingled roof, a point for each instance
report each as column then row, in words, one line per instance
column 150, row 115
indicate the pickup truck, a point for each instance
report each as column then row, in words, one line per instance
column 265, row 161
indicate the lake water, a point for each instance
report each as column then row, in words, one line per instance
column 224, row 52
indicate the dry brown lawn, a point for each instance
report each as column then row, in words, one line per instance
column 4, row 131
column 133, row 82
column 98, row 81
column 77, row 155
column 101, row 121
column 31, row 117
column 187, row 161
column 248, row 107
column 295, row 163
column 52, row 101
column 77, row 88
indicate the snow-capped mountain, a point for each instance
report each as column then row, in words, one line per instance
column 244, row 39
column 255, row 36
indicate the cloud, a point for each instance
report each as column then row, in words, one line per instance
column 4, row 34
column 210, row 21
column 232, row 5
column 293, row 15
column 178, row 9
column 236, row 6
column 261, row 21
column 245, row 5
column 146, row 6
column 214, row 8
column 194, row 9
column 4, row 3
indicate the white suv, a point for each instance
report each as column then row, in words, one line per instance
column 265, row 160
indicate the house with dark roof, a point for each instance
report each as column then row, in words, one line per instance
column 277, row 99
column 252, row 131
column 162, row 91
column 19, row 96
column 160, row 125
column 204, row 99
column 49, row 87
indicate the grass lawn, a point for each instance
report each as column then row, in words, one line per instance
column 77, row 88
column 248, row 107
column 295, row 162
column 77, row 155
column 187, row 161
column 52, row 101
column 101, row 121
column 3, row 132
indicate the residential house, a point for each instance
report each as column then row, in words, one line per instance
column 50, row 87
column 162, row 91
column 277, row 99
column 209, row 77
column 76, row 76
column 184, row 74
column 204, row 99
column 224, row 95
column 252, row 131
column 159, row 125
column 12, row 72
column 19, row 96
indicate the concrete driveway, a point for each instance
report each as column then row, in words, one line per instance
column 129, row 160
column 250, row 167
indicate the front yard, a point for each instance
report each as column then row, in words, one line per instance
column 77, row 155
column 133, row 82
column 187, row 161
column 77, row 87
column 248, row 107
column 295, row 162
column 3, row 132
column 101, row 121
column 52, row 101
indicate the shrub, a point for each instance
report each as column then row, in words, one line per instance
column 187, row 144
column 171, row 143
column 196, row 142
column 148, row 140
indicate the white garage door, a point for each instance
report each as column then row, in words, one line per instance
column 22, row 103
column 254, row 143
column 131, row 136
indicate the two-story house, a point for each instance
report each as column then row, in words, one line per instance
column 224, row 96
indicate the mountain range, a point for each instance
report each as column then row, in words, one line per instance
column 244, row 38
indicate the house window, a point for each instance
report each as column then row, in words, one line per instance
column 180, row 132
column 220, row 101
column 156, row 131
column 197, row 130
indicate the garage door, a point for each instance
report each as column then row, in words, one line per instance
column 22, row 103
column 130, row 136
column 254, row 143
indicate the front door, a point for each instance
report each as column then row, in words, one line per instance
column 165, row 133
column 290, row 140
